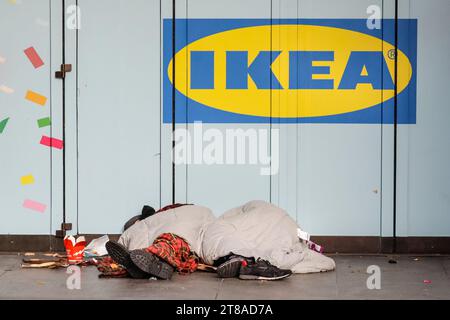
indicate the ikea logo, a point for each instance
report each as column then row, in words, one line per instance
column 289, row 71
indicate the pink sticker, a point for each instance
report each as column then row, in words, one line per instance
column 33, row 205
column 52, row 142
column 34, row 57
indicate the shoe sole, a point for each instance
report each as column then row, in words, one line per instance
column 151, row 264
column 229, row 269
column 250, row 277
column 122, row 256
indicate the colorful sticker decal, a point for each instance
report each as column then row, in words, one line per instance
column 34, row 57
column 52, row 142
column 3, row 124
column 36, row 98
column 44, row 122
column 34, row 205
column 289, row 71
column 28, row 179
column 6, row 89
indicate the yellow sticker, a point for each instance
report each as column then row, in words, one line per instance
column 29, row 179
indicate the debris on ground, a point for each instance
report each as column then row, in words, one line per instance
column 97, row 248
column 55, row 254
column 110, row 269
column 47, row 265
column 52, row 262
column 43, row 262
column 206, row 267
column 392, row 261
column 75, row 248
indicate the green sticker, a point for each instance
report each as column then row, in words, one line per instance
column 3, row 124
column 44, row 122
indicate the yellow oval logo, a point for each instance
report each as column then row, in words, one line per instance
column 289, row 71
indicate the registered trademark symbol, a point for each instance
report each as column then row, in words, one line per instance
column 391, row 54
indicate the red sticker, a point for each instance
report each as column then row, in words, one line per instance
column 34, row 57
column 52, row 142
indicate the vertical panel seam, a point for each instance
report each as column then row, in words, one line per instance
column 51, row 126
column 77, row 118
column 160, row 103
column 173, row 99
column 394, row 231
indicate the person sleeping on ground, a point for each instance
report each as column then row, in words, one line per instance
column 255, row 241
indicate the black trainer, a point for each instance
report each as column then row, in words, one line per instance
column 151, row 264
column 121, row 255
column 230, row 268
column 262, row 270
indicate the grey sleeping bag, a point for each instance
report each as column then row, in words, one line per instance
column 257, row 229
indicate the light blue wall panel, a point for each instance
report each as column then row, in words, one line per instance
column 118, row 112
column 424, row 148
column 338, row 165
column 24, row 24
column 221, row 186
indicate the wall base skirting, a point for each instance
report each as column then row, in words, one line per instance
column 376, row 245
column 332, row 244
column 38, row 243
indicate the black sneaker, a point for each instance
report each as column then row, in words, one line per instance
column 151, row 264
column 262, row 270
column 121, row 255
column 230, row 268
